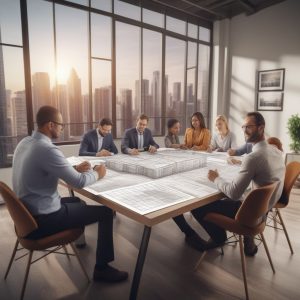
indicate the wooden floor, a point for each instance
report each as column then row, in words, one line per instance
column 168, row 271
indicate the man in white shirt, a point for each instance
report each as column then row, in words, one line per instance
column 264, row 165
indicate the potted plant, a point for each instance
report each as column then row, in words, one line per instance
column 293, row 126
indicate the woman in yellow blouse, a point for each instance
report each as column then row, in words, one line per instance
column 198, row 136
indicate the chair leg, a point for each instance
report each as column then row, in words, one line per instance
column 200, row 260
column 12, row 258
column 66, row 251
column 80, row 262
column 285, row 231
column 243, row 266
column 26, row 273
column 267, row 251
column 274, row 215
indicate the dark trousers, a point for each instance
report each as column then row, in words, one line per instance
column 183, row 225
column 74, row 213
column 226, row 207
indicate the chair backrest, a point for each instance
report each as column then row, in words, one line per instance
column 291, row 174
column 23, row 220
column 256, row 205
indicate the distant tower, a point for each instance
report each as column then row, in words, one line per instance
column 75, row 104
column 156, row 100
column 103, row 103
column 126, row 100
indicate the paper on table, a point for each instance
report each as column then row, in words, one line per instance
column 94, row 161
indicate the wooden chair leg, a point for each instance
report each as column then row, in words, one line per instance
column 267, row 251
column 12, row 258
column 285, row 231
column 274, row 216
column 200, row 260
column 26, row 274
column 80, row 262
column 243, row 266
column 66, row 251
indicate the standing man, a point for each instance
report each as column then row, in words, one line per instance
column 138, row 138
column 37, row 167
column 264, row 165
column 99, row 141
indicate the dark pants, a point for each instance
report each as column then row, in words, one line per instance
column 74, row 213
column 226, row 207
column 183, row 225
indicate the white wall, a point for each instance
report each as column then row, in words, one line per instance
column 269, row 39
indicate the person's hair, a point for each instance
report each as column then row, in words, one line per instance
column 46, row 114
column 224, row 119
column 259, row 119
column 143, row 117
column 171, row 123
column 105, row 121
column 200, row 117
column 276, row 142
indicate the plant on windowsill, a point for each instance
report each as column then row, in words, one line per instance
column 293, row 126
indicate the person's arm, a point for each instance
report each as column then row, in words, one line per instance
column 84, row 146
column 152, row 142
column 235, row 189
column 241, row 150
column 125, row 143
column 213, row 143
column 233, row 143
column 114, row 148
column 168, row 143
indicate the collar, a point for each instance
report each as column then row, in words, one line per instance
column 99, row 134
column 40, row 136
column 138, row 132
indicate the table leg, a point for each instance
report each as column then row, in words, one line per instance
column 140, row 263
column 71, row 192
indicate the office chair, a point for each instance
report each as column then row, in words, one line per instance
column 25, row 224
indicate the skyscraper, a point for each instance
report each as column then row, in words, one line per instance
column 75, row 104
column 103, row 103
column 126, row 100
column 156, row 100
column 41, row 94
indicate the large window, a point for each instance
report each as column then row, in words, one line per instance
column 113, row 60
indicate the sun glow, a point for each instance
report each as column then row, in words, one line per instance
column 62, row 75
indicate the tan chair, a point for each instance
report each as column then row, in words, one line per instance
column 249, row 220
column 25, row 224
column 291, row 174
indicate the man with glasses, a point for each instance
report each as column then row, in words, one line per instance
column 99, row 142
column 37, row 167
column 264, row 165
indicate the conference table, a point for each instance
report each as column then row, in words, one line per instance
column 153, row 218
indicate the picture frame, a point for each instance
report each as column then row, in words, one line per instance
column 270, row 100
column 271, row 80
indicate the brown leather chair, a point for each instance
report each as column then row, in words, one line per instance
column 24, row 224
column 249, row 220
column 291, row 174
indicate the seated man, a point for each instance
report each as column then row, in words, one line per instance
column 264, row 165
column 138, row 138
column 37, row 167
column 99, row 141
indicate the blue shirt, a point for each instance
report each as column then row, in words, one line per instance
column 37, row 167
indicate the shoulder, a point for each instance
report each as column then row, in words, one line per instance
column 206, row 131
column 130, row 131
column 90, row 133
column 147, row 130
column 189, row 130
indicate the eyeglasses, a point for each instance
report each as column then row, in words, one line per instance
column 61, row 124
column 246, row 127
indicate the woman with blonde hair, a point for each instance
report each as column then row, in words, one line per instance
column 223, row 139
column 197, row 137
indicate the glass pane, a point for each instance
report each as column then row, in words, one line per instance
column 13, row 115
column 151, row 84
column 192, row 54
column 41, row 41
column 10, row 22
column 175, row 68
column 176, row 25
column 127, row 10
column 204, row 34
column 153, row 18
column 127, row 73
column 101, row 36
column 102, row 4
column 102, row 93
column 82, row 2
column 72, row 68
column 190, row 95
column 192, row 30
column 203, row 80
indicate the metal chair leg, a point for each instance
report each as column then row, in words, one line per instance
column 267, row 251
column 200, row 260
column 12, row 258
column 26, row 273
column 285, row 231
column 243, row 266
column 66, row 251
column 80, row 262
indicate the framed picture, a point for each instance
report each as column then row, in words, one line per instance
column 271, row 80
column 270, row 100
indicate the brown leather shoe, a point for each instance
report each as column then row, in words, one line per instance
column 109, row 274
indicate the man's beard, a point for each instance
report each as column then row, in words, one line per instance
column 253, row 137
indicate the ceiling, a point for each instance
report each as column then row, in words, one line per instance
column 212, row 10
